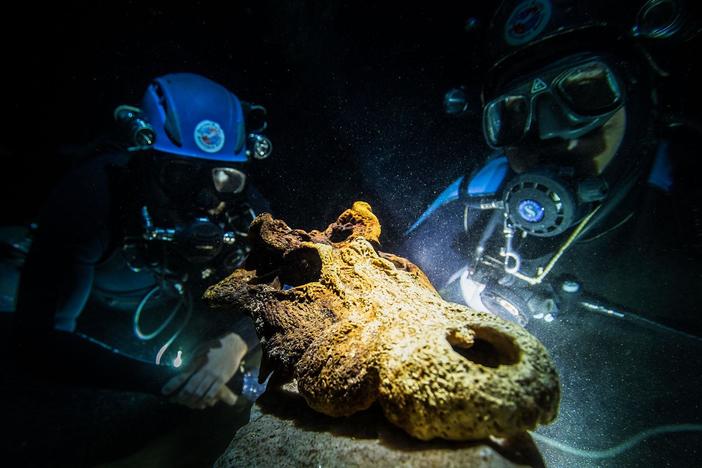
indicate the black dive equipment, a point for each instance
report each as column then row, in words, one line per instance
column 140, row 133
column 567, row 100
column 202, row 244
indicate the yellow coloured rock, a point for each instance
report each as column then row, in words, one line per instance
column 354, row 326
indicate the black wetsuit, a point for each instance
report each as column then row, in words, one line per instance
column 76, row 264
column 645, row 264
column 78, row 229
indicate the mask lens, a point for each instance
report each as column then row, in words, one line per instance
column 228, row 180
column 590, row 89
column 506, row 120
column 552, row 121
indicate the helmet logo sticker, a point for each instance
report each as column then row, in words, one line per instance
column 209, row 136
column 537, row 86
column 527, row 21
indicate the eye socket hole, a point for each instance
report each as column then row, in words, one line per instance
column 488, row 348
column 301, row 266
column 341, row 232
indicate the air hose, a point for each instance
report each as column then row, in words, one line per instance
column 185, row 300
column 622, row 447
column 571, row 295
column 188, row 310
column 603, row 309
column 140, row 308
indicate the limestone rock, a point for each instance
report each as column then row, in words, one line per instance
column 283, row 433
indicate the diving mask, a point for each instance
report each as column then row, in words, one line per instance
column 188, row 178
column 566, row 101
column 228, row 180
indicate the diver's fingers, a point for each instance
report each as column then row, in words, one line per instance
column 204, row 388
column 227, row 395
column 214, row 389
column 211, row 402
column 176, row 381
column 190, row 388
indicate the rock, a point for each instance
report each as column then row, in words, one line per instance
column 283, row 432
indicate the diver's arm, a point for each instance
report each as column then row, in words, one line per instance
column 54, row 289
column 74, row 235
column 79, row 360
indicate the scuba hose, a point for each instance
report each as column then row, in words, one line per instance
column 622, row 447
column 591, row 304
column 571, row 294
column 601, row 308
column 137, row 316
column 185, row 301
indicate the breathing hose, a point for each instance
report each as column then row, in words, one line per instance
column 622, row 447
column 185, row 301
column 140, row 308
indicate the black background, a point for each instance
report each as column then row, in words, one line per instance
column 354, row 92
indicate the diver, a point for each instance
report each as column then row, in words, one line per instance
column 590, row 156
column 129, row 240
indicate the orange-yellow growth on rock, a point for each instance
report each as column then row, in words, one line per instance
column 355, row 325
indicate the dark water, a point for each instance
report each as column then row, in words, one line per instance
column 354, row 95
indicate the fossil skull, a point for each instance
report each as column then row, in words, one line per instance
column 354, row 325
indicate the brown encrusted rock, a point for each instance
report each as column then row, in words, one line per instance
column 357, row 326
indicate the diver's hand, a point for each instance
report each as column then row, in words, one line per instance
column 203, row 382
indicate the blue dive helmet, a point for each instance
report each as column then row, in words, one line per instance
column 195, row 117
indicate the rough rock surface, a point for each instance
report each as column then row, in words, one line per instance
column 354, row 326
column 283, row 433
